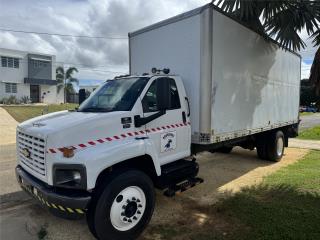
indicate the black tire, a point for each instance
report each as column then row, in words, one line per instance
column 98, row 217
column 262, row 151
column 274, row 152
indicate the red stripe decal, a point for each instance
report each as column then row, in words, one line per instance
column 51, row 150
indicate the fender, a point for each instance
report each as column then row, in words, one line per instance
column 101, row 157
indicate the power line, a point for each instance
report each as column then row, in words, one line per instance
column 64, row 35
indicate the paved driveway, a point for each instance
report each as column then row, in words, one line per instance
column 309, row 121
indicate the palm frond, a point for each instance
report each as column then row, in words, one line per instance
column 315, row 73
column 70, row 71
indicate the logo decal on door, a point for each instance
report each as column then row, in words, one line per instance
column 168, row 141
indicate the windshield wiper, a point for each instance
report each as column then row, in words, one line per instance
column 95, row 109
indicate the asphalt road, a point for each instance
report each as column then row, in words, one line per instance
column 309, row 121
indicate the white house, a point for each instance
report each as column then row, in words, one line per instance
column 28, row 74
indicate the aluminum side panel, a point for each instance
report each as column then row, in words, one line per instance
column 255, row 84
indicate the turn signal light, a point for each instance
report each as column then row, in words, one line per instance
column 68, row 152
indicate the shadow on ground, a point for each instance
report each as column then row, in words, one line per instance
column 260, row 212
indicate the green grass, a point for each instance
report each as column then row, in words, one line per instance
column 285, row 206
column 310, row 134
column 23, row 113
column 304, row 175
column 306, row 113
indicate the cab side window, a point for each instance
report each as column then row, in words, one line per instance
column 174, row 95
column 149, row 102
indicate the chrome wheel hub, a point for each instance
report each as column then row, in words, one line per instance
column 280, row 145
column 127, row 208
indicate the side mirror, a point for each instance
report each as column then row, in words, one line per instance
column 163, row 94
column 82, row 96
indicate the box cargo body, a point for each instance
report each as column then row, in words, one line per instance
column 238, row 82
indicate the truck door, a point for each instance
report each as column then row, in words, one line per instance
column 170, row 134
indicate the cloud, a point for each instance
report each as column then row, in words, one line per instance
column 95, row 58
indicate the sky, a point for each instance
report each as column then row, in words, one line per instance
column 96, row 59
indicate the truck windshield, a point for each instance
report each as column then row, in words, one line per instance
column 115, row 95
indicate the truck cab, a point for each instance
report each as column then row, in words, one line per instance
column 129, row 125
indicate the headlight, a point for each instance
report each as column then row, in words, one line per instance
column 69, row 176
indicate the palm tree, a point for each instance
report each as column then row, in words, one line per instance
column 281, row 20
column 65, row 80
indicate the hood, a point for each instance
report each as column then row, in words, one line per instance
column 64, row 121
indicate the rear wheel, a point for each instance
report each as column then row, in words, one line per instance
column 123, row 208
column 275, row 147
column 262, row 151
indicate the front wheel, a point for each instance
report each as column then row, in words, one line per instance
column 124, row 207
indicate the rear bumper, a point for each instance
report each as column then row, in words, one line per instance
column 65, row 200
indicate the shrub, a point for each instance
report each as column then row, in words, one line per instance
column 25, row 100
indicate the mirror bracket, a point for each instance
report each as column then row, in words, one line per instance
column 140, row 121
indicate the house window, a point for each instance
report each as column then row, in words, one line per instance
column 16, row 63
column 39, row 64
column 4, row 62
column 11, row 87
column 9, row 62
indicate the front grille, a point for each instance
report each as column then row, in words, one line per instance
column 31, row 152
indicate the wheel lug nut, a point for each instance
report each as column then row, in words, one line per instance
column 122, row 214
column 125, row 219
column 140, row 206
column 124, row 207
column 138, row 200
column 133, row 199
column 138, row 212
column 134, row 218
column 129, row 221
column 128, row 201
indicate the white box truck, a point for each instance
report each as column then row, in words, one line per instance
column 221, row 85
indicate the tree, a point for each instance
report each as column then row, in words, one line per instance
column 65, row 80
column 281, row 20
